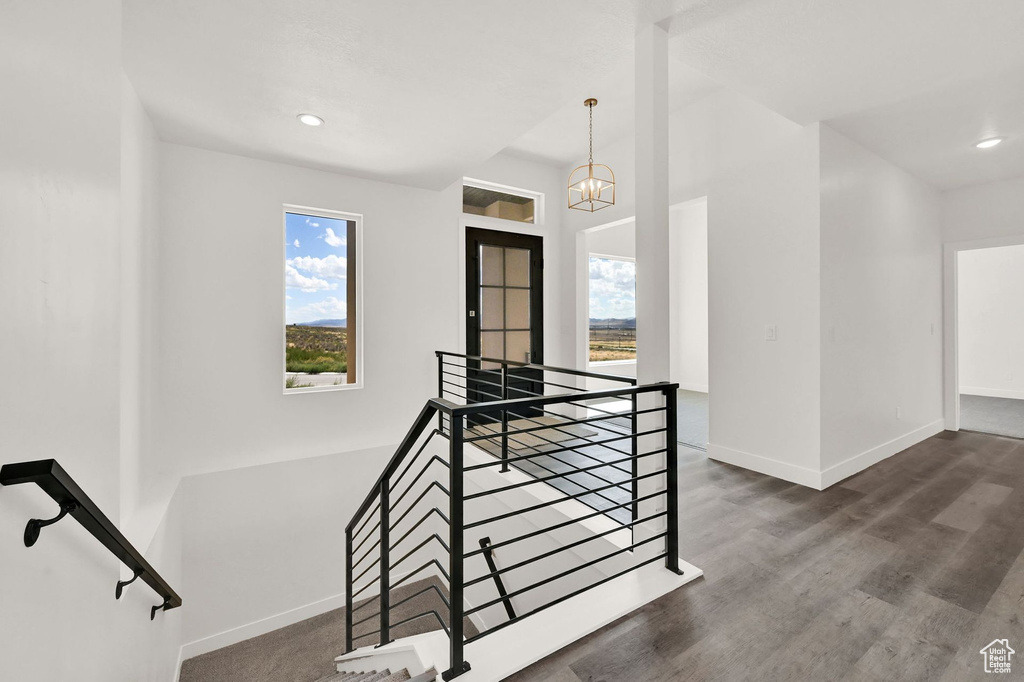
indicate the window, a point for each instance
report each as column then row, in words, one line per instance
column 498, row 201
column 612, row 309
column 321, row 310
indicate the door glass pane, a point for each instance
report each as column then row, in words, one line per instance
column 492, row 345
column 517, row 267
column 491, row 264
column 492, row 314
column 517, row 346
column 517, row 308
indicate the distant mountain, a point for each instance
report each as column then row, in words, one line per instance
column 613, row 323
column 324, row 323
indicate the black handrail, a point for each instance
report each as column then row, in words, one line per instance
column 51, row 477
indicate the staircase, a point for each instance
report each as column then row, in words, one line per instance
column 513, row 494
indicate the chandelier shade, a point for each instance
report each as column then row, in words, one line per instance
column 592, row 185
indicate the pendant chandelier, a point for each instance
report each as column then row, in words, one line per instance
column 592, row 185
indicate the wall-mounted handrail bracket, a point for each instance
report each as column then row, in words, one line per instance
column 35, row 525
column 121, row 584
column 159, row 607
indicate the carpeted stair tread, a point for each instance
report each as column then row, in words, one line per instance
column 428, row 676
column 400, row 676
column 377, row 677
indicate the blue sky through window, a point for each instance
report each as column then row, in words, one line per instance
column 612, row 289
column 315, row 268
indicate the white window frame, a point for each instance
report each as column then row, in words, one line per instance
column 602, row 363
column 360, row 364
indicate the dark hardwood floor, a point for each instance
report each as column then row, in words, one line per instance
column 902, row 572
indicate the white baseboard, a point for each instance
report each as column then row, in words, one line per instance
column 259, row 627
column 992, row 392
column 696, row 388
column 766, row 465
column 858, row 463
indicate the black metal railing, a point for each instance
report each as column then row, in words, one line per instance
column 498, row 416
column 58, row 484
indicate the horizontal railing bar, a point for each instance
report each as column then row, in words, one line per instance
column 568, row 422
column 416, row 480
column 53, row 480
column 369, row 517
column 433, row 484
column 366, row 570
column 369, row 535
column 580, row 470
column 365, row 604
column 563, row 524
column 420, row 546
column 428, row 588
column 426, row 516
column 565, row 597
column 368, row 634
column 561, row 448
column 363, row 558
column 426, row 565
column 562, row 548
column 568, row 448
column 525, row 403
column 549, row 503
column 566, row 573
column 375, row 614
column 365, row 587
column 412, row 460
column 425, row 417
column 433, row 613
column 561, row 370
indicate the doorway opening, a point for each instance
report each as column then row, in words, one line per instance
column 688, row 319
column 990, row 339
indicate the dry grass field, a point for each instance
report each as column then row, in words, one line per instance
column 612, row 344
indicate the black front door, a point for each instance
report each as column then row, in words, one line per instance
column 504, row 312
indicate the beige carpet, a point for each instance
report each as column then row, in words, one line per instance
column 305, row 651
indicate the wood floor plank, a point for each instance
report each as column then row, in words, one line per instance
column 902, row 572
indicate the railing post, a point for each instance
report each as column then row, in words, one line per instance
column 672, row 484
column 635, row 465
column 440, row 388
column 504, row 419
column 457, row 552
column 348, row 590
column 385, row 563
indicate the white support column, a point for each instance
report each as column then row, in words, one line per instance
column 652, row 241
column 652, row 261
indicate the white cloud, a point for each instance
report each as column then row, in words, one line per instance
column 294, row 280
column 333, row 239
column 329, row 308
column 331, row 267
column 296, row 243
column 612, row 288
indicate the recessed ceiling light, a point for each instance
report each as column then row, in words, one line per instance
column 311, row 120
column 991, row 142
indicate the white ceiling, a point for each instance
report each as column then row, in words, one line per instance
column 916, row 81
column 418, row 92
column 412, row 92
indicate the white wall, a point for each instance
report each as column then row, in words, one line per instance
column 61, row 340
column 759, row 172
column 220, row 313
column 990, row 311
column 987, row 211
column 688, row 284
column 881, row 308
